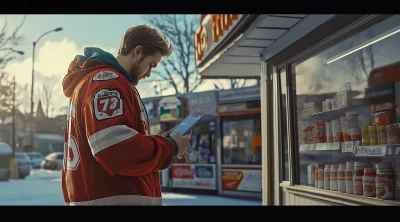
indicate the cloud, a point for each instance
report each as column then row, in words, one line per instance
column 52, row 58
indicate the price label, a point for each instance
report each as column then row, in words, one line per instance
column 334, row 146
column 320, row 146
column 369, row 150
column 397, row 150
column 313, row 146
column 360, row 151
column 348, row 146
column 304, row 147
column 376, row 151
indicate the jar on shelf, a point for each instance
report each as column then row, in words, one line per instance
column 384, row 181
column 369, row 187
column 341, row 178
column 333, row 180
column 349, row 177
column 358, row 177
column 327, row 176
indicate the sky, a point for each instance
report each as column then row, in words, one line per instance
column 43, row 188
column 56, row 50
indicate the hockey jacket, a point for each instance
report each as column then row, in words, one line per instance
column 109, row 158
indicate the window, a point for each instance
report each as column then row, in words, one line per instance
column 283, row 125
column 241, row 140
column 202, row 149
column 336, row 109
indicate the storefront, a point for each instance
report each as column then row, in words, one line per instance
column 337, row 142
column 164, row 113
column 240, row 129
column 198, row 169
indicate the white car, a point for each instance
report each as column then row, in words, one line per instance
column 36, row 159
column 53, row 161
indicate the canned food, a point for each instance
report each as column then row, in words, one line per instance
column 392, row 132
column 369, row 186
column 397, row 183
column 382, row 136
column 321, row 178
column 382, row 118
column 345, row 128
column 337, row 130
column 316, row 174
column 311, row 174
column 353, row 128
column 373, row 138
column 384, row 184
column 329, row 133
column 373, row 120
column 365, row 136
column 320, row 131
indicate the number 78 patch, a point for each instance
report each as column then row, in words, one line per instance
column 107, row 104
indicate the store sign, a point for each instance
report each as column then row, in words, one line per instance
column 202, row 103
column 239, row 94
column 151, row 108
column 242, row 180
column 235, row 107
column 170, row 108
column 197, row 176
column 213, row 28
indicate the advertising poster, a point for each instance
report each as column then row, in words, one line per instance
column 170, row 109
column 241, row 180
column 194, row 176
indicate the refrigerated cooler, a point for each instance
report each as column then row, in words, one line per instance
column 196, row 169
column 240, row 153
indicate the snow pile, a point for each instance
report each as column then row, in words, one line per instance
column 42, row 174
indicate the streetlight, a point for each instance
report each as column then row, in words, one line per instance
column 33, row 77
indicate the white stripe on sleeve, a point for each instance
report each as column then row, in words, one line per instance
column 110, row 136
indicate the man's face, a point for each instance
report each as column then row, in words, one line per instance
column 142, row 68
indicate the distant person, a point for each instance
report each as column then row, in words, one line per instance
column 111, row 159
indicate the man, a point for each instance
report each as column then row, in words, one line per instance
column 109, row 158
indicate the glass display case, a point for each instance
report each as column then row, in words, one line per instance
column 348, row 115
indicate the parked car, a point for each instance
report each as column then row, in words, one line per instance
column 36, row 159
column 23, row 163
column 53, row 161
column 5, row 158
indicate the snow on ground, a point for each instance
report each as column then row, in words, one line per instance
column 43, row 187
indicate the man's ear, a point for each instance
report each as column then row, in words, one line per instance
column 137, row 51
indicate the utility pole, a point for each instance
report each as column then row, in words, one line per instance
column 13, row 118
column 13, row 162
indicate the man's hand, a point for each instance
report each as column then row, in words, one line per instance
column 165, row 134
column 182, row 141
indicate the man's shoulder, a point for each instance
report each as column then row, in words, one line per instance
column 104, row 79
column 105, row 74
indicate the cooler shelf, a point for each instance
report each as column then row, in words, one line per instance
column 354, row 148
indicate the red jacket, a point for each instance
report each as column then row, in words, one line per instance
column 109, row 158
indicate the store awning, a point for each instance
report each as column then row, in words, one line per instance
column 236, row 54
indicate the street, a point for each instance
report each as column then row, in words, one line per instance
column 43, row 187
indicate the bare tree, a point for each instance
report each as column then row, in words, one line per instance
column 179, row 70
column 8, row 51
column 48, row 84
column 362, row 62
column 22, row 100
column 9, row 42
column 234, row 83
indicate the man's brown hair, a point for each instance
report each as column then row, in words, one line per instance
column 149, row 38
